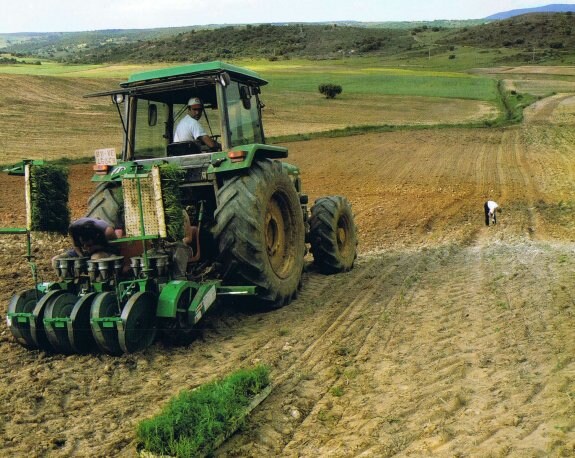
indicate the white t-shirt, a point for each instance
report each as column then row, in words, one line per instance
column 188, row 130
column 492, row 206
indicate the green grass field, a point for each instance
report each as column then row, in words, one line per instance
column 385, row 82
column 368, row 76
column 357, row 76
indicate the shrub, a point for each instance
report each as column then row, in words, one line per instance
column 330, row 90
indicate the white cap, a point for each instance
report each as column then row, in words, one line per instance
column 194, row 102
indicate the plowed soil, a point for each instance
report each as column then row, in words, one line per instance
column 449, row 338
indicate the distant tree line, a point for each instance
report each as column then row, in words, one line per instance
column 266, row 40
column 13, row 60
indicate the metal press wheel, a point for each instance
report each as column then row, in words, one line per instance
column 79, row 330
column 138, row 322
column 37, row 329
column 57, row 334
column 105, row 305
column 23, row 302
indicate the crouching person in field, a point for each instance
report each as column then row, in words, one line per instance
column 90, row 238
column 490, row 208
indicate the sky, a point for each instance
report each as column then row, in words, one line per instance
column 84, row 15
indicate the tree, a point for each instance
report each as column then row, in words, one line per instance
column 329, row 90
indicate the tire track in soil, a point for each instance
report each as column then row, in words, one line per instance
column 547, row 151
column 425, row 338
column 519, row 188
column 457, row 398
column 333, row 411
column 458, row 366
column 309, row 399
column 521, row 313
column 429, row 367
column 542, row 111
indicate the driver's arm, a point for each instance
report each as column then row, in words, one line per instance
column 209, row 141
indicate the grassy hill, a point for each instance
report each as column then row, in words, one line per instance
column 535, row 37
column 321, row 40
column 223, row 42
column 271, row 42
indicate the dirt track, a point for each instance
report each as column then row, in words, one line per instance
column 449, row 338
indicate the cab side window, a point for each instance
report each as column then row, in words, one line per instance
column 245, row 127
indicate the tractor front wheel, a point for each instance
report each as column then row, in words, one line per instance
column 333, row 234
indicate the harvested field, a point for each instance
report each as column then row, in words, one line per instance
column 536, row 80
column 449, row 338
column 323, row 114
column 46, row 118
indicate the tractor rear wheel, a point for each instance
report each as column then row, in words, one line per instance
column 333, row 234
column 107, row 204
column 260, row 232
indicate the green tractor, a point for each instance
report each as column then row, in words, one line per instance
column 244, row 206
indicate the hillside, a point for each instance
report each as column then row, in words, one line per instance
column 58, row 45
column 538, row 36
column 223, row 42
column 61, row 44
column 554, row 8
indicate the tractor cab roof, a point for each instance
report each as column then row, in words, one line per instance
column 194, row 71
column 176, row 84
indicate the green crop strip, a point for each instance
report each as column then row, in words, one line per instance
column 463, row 87
column 194, row 422
column 49, row 196
column 172, row 177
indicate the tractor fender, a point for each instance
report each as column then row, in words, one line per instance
column 242, row 157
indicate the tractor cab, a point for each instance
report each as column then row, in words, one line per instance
column 152, row 103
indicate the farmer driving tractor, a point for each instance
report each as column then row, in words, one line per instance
column 189, row 128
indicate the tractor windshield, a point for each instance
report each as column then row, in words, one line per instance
column 154, row 125
column 230, row 115
column 149, row 141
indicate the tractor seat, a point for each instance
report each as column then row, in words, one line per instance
column 184, row 148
